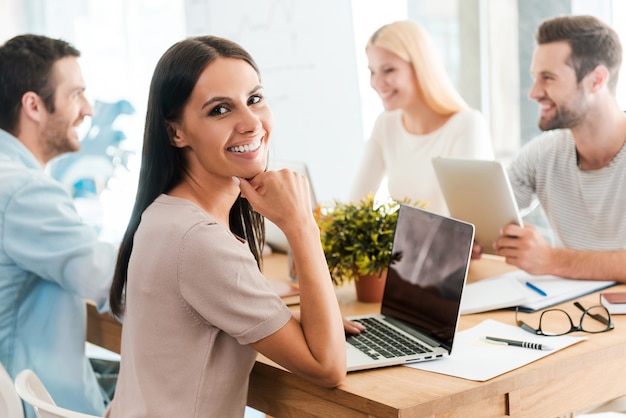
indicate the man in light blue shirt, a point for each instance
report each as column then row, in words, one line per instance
column 50, row 260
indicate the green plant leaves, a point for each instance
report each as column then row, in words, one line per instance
column 357, row 237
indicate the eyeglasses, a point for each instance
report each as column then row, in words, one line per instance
column 554, row 322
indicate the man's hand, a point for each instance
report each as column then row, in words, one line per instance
column 525, row 248
column 477, row 251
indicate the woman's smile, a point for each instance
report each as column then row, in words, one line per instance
column 246, row 148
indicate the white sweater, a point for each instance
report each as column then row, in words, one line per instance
column 405, row 158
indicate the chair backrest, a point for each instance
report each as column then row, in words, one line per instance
column 10, row 403
column 32, row 391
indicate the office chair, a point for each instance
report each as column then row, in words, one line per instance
column 32, row 391
column 10, row 403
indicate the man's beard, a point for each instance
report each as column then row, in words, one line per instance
column 57, row 141
column 567, row 116
column 563, row 119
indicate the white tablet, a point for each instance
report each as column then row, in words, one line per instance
column 478, row 192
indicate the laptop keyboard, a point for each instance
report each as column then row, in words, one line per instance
column 380, row 340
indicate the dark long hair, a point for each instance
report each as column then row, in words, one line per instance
column 162, row 164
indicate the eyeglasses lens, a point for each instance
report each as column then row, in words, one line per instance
column 555, row 322
column 595, row 319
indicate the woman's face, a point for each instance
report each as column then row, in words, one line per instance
column 392, row 78
column 226, row 124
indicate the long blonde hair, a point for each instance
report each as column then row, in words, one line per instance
column 411, row 42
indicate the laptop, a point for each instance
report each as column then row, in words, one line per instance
column 478, row 192
column 422, row 297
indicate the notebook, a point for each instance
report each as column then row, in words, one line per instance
column 422, row 296
column 537, row 292
column 479, row 192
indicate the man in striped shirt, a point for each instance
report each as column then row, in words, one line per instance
column 577, row 167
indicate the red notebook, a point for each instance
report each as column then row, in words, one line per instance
column 615, row 302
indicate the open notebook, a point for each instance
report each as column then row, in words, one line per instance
column 529, row 292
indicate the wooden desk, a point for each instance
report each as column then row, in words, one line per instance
column 577, row 377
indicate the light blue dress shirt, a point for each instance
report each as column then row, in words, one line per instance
column 50, row 262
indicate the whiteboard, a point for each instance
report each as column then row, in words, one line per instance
column 305, row 51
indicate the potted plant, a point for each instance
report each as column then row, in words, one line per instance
column 357, row 238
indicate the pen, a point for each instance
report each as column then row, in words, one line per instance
column 524, row 344
column 536, row 289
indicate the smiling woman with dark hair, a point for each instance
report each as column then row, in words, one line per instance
column 195, row 305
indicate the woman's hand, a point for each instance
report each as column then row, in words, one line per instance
column 313, row 348
column 281, row 196
column 352, row 327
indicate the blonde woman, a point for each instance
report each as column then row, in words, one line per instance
column 424, row 117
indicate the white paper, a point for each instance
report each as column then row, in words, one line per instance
column 474, row 358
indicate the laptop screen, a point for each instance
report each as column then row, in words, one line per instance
column 424, row 287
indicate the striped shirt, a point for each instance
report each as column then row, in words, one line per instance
column 586, row 209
